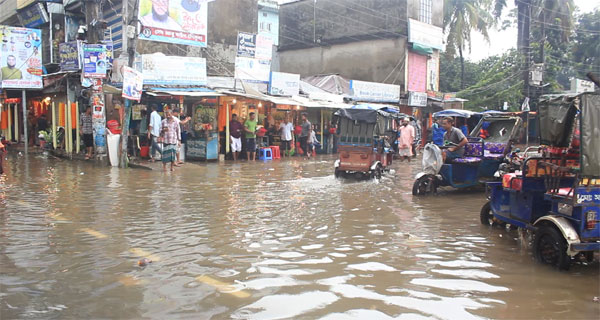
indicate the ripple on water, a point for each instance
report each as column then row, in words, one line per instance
column 458, row 285
column 284, row 306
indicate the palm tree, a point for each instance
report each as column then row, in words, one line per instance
column 460, row 18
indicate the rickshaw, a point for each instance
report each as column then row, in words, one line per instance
column 483, row 155
column 364, row 149
column 556, row 193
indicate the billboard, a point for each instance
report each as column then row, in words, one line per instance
column 132, row 84
column 21, row 58
column 180, row 22
column 246, row 44
column 159, row 69
column 33, row 16
column 284, row 84
column 425, row 34
column 68, row 53
column 375, row 92
column 252, row 70
column 95, row 61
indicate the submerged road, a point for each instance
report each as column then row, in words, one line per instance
column 265, row 240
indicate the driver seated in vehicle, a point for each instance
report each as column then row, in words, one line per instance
column 455, row 138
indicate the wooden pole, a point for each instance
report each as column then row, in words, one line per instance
column 16, row 113
column 77, row 135
column 68, row 130
column 9, row 110
column 322, row 119
column 227, row 132
column 25, row 133
column 54, row 125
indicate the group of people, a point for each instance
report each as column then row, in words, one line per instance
column 165, row 136
column 306, row 136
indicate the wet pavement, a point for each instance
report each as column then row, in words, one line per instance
column 266, row 240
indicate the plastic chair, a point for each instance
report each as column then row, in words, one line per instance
column 265, row 154
column 276, row 152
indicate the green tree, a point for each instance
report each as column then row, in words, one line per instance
column 460, row 18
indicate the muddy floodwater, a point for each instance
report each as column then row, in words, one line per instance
column 265, row 240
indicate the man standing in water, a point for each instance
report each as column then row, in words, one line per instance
column 171, row 134
column 405, row 141
column 306, row 126
column 87, row 131
column 286, row 128
column 154, row 132
column 235, row 132
column 250, row 128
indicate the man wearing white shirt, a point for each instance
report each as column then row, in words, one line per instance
column 154, row 132
column 159, row 17
column 286, row 128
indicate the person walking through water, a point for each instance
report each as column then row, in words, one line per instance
column 405, row 141
column 304, row 135
column 286, row 128
column 235, row 133
column 171, row 136
column 154, row 132
column 250, row 128
column 86, row 130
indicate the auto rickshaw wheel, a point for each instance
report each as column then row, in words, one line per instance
column 550, row 247
column 337, row 173
column 377, row 172
column 424, row 185
column 487, row 218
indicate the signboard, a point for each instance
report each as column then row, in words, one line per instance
column 264, row 47
column 417, row 99
column 159, row 69
column 284, row 84
column 252, row 70
column 180, row 22
column 375, row 92
column 21, row 57
column 246, row 44
column 68, row 53
column 433, row 72
column 417, row 72
column 33, row 16
column 132, row 84
column 579, row 86
column 94, row 61
column 425, row 34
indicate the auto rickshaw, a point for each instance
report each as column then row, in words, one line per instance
column 483, row 155
column 364, row 149
column 555, row 194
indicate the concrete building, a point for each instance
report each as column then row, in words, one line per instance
column 386, row 41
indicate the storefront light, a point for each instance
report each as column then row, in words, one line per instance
column 234, row 101
column 48, row 99
column 260, row 104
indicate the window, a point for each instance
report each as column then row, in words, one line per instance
column 264, row 14
column 268, row 26
column 425, row 11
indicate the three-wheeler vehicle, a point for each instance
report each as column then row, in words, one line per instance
column 482, row 157
column 364, row 149
column 556, row 193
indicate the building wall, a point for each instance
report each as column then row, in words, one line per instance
column 307, row 23
column 268, row 23
column 8, row 12
column 437, row 11
column 370, row 60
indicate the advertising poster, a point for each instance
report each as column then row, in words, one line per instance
column 417, row 72
column 252, row 70
column 375, row 92
column 94, row 61
column 264, row 47
column 68, row 54
column 21, row 58
column 159, row 69
column 284, row 84
column 246, row 44
column 132, row 84
column 33, row 16
column 180, row 22
column 109, row 53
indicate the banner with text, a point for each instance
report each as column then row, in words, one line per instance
column 159, row 69
column 417, row 99
column 284, row 84
column 252, row 70
column 21, row 58
column 133, row 82
column 94, row 61
column 246, row 44
column 68, row 53
column 374, row 92
column 180, row 22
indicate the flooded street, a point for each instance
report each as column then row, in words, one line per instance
column 265, row 240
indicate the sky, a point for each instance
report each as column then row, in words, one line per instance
column 507, row 39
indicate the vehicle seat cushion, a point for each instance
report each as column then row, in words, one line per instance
column 513, row 180
column 493, row 156
column 565, row 192
column 473, row 149
column 495, row 147
column 467, row 160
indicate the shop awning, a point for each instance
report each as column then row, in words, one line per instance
column 422, row 49
column 184, row 93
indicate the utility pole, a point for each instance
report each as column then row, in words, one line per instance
column 526, row 45
column 130, row 48
column 92, row 18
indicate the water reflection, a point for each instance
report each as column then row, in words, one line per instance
column 270, row 240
